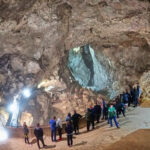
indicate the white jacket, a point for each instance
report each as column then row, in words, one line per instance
column 59, row 123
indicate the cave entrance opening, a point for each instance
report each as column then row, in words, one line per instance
column 87, row 70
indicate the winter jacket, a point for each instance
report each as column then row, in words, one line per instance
column 88, row 116
column 97, row 109
column 68, row 118
column 76, row 117
column 26, row 130
column 59, row 123
column 38, row 132
column 125, row 97
column 111, row 112
column 69, row 129
column 52, row 123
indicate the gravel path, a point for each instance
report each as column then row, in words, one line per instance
column 97, row 139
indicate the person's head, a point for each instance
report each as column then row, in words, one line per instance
column 38, row 125
column 24, row 124
column 69, row 114
column 96, row 103
column 138, row 86
column 111, row 105
column 75, row 112
column 130, row 86
column 54, row 117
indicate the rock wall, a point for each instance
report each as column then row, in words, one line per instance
column 36, row 37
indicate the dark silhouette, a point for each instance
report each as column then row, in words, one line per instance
column 69, row 131
column 26, row 133
column 75, row 118
column 38, row 132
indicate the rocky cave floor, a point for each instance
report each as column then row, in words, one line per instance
column 102, row 138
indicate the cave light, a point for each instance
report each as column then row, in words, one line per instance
column 26, row 93
column 77, row 49
column 13, row 107
column 4, row 134
column 46, row 85
column 49, row 88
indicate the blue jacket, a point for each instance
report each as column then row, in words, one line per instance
column 52, row 124
column 125, row 97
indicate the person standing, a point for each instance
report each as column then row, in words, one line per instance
column 69, row 131
column 104, row 110
column 97, row 110
column 88, row 118
column 68, row 118
column 75, row 118
column 139, row 91
column 129, row 97
column 112, row 116
column 26, row 133
column 131, row 93
column 120, row 108
column 135, row 97
column 38, row 132
column 52, row 123
column 59, row 128
column 125, row 98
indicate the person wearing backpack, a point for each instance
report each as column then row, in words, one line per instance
column 112, row 116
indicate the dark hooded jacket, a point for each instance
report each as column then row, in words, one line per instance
column 38, row 132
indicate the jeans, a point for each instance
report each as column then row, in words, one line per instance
column 60, row 133
column 120, row 111
column 76, row 127
column 98, row 117
column 105, row 114
column 26, row 138
column 53, row 134
column 135, row 101
column 89, row 123
column 115, row 120
column 69, row 140
column 40, row 139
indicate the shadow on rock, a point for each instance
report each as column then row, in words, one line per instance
column 81, row 144
column 33, row 141
column 50, row 146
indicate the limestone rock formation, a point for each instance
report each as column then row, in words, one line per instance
column 36, row 37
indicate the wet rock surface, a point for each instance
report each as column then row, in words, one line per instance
column 36, row 37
